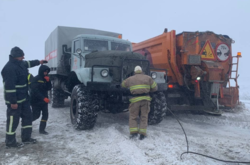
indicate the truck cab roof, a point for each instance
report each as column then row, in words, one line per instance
column 102, row 37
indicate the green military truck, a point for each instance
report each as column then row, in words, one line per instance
column 89, row 65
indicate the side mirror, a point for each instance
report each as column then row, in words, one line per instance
column 78, row 51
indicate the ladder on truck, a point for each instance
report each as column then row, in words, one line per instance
column 234, row 76
column 229, row 95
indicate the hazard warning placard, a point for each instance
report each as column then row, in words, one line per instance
column 207, row 52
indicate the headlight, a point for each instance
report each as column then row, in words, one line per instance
column 104, row 73
column 153, row 75
column 198, row 78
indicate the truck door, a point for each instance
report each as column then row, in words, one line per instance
column 75, row 61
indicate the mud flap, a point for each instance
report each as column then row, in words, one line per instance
column 230, row 97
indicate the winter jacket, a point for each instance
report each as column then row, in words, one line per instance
column 40, row 87
column 15, row 81
column 140, row 85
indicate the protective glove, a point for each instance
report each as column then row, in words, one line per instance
column 46, row 78
column 46, row 100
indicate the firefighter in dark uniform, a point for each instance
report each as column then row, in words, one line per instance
column 16, row 97
column 40, row 86
column 139, row 85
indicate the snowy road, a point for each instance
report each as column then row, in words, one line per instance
column 225, row 137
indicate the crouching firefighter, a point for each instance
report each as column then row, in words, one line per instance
column 40, row 86
column 140, row 85
column 15, row 82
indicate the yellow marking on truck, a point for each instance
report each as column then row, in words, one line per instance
column 207, row 51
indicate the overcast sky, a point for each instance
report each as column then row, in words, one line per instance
column 28, row 23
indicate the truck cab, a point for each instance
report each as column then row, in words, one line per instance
column 87, row 43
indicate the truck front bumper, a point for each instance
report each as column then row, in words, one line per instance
column 115, row 87
column 106, row 87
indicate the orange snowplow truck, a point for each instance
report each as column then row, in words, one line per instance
column 199, row 69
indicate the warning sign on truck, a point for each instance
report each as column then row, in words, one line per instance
column 207, row 51
column 222, row 52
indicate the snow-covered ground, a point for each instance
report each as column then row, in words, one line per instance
column 225, row 137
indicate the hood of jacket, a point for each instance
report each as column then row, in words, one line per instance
column 42, row 69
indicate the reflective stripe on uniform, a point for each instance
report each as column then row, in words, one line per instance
column 136, row 99
column 21, row 86
column 18, row 101
column 153, row 85
column 40, row 81
column 143, row 131
column 10, row 91
column 10, row 133
column 123, row 84
column 27, row 126
column 43, row 120
column 29, row 79
column 28, row 64
column 139, row 87
column 133, row 129
column 10, row 127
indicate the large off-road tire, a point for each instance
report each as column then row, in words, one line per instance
column 58, row 97
column 158, row 108
column 84, row 108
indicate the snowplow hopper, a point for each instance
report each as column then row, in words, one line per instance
column 200, row 67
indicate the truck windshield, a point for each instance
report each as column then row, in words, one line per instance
column 120, row 46
column 92, row 45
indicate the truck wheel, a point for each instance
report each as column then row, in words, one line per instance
column 158, row 108
column 84, row 108
column 57, row 98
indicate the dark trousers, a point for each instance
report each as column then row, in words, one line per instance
column 37, row 109
column 13, row 117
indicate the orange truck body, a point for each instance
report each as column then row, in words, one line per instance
column 189, row 56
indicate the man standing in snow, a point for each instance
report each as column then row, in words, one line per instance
column 140, row 85
column 15, row 82
column 40, row 86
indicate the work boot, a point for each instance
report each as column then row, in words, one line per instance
column 29, row 141
column 142, row 137
column 42, row 128
column 132, row 136
column 15, row 145
column 43, row 132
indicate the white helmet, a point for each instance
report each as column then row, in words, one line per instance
column 137, row 68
